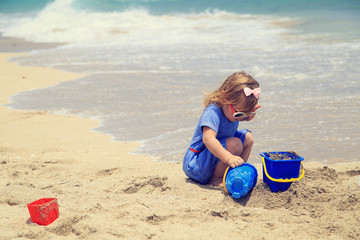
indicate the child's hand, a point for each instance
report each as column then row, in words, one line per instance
column 235, row 161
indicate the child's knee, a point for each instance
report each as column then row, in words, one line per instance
column 249, row 139
column 234, row 145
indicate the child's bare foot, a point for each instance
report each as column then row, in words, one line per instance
column 218, row 182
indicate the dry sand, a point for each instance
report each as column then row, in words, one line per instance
column 105, row 192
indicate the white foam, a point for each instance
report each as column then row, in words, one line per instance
column 62, row 111
column 60, row 22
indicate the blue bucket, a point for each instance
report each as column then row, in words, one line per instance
column 279, row 174
column 240, row 181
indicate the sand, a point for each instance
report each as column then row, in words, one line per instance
column 106, row 192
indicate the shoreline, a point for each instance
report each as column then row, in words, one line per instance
column 106, row 192
column 18, row 45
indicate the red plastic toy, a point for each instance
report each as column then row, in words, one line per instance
column 44, row 211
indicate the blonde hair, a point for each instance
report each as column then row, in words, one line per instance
column 232, row 92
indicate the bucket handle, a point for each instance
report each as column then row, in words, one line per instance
column 281, row 179
column 224, row 177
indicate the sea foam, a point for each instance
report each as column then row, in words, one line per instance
column 61, row 22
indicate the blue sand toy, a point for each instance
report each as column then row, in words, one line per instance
column 278, row 174
column 240, row 181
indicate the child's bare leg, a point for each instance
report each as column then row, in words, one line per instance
column 235, row 147
column 248, row 143
column 216, row 178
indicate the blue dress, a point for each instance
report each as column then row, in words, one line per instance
column 199, row 163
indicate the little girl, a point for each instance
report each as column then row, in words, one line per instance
column 217, row 143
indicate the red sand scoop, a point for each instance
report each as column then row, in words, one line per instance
column 44, row 211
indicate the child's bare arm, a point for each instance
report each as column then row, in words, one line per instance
column 215, row 147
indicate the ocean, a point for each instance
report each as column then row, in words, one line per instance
column 150, row 61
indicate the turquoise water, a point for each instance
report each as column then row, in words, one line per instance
column 150, row 61
column 22, row 6
column 167, row 6
column 322, row 15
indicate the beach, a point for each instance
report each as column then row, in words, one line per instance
column 105, row 191
column 155, row 59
